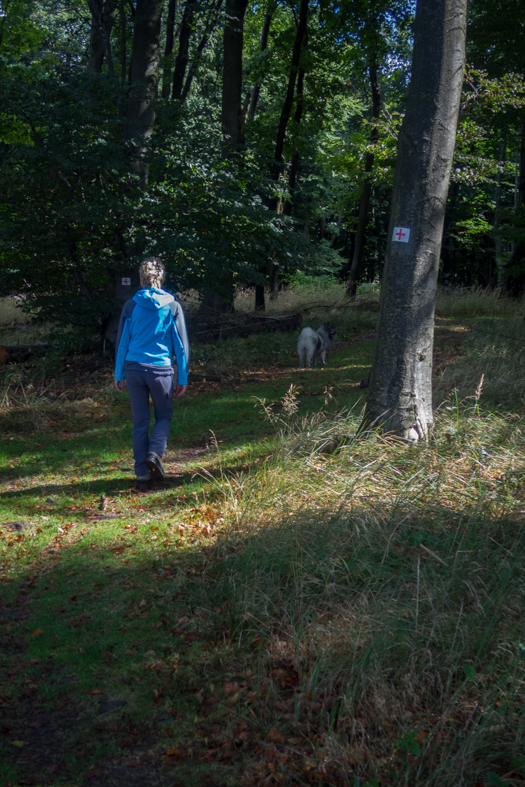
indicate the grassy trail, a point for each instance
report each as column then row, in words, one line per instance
column 273, row 614
column 86, row 595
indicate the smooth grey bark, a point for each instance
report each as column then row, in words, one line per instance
column 400, row 395
column 144, row 78
column 364, row 202
column 232, row 122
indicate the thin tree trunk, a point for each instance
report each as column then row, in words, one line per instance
column 123, row 43
column 400, row 396
column 3, row 19
column 231, row 111
column 144, row 83
column 288, row 100
column 232, row 122
column 181, row 63
column 518, row 253
column 264, row 43
column 501, row 272
column 210, row 24
column 289, row 204
column 102, row 20
column 277, row 167
column 294, row 168
column 168, row 49
column 362, row 220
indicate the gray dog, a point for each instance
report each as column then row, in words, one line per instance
column 314, row 344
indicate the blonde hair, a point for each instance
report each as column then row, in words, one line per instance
column 152, row 273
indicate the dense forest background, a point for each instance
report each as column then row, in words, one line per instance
column 247, row 144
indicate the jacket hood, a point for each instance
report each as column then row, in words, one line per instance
column 152, row 299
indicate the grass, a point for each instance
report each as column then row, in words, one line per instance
column 276, row 614
column 16, row 327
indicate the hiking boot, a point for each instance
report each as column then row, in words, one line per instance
column 154, row 464
column 143, row 483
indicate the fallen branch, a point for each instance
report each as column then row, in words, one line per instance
column 253, row 325
column 19, row 352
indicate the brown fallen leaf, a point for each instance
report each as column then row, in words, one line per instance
column 275, row 736
column 231, row 688
column 37, row 632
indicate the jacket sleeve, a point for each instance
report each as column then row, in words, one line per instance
column 181, row 345
column 123, row 337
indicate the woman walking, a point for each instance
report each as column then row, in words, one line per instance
column 152, row 329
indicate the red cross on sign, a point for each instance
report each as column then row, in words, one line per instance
column 401, row 234
column 126, row 282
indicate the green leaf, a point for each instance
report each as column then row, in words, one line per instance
column 469, row 671
column 495, row 781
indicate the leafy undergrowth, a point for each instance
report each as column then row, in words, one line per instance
column 293, row 606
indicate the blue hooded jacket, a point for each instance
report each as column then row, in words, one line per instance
column 152, row 329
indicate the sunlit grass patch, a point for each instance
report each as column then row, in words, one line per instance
column 494, row 351
column 465, row 302
column 16, row 326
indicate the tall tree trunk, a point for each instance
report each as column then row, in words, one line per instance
column 264, row 43
column 210, row 24
column 400, row 396
column 181, row 63
column 232, row 122
column 294, row 167
column 517, row 260
column 362, row 220
column 277, row 166
column 288, row 100
column 144, row 83
column 123, row 43
column 500, row 268
column 168, row 49
column 102, row 20
column 138, row 127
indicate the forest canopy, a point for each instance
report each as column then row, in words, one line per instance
column 244, row 143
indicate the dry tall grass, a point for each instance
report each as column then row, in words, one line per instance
column 494, row 349
column 464, row 302
column 15, row 325
column 385, row 586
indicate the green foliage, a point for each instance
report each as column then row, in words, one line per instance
column 73, row 217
